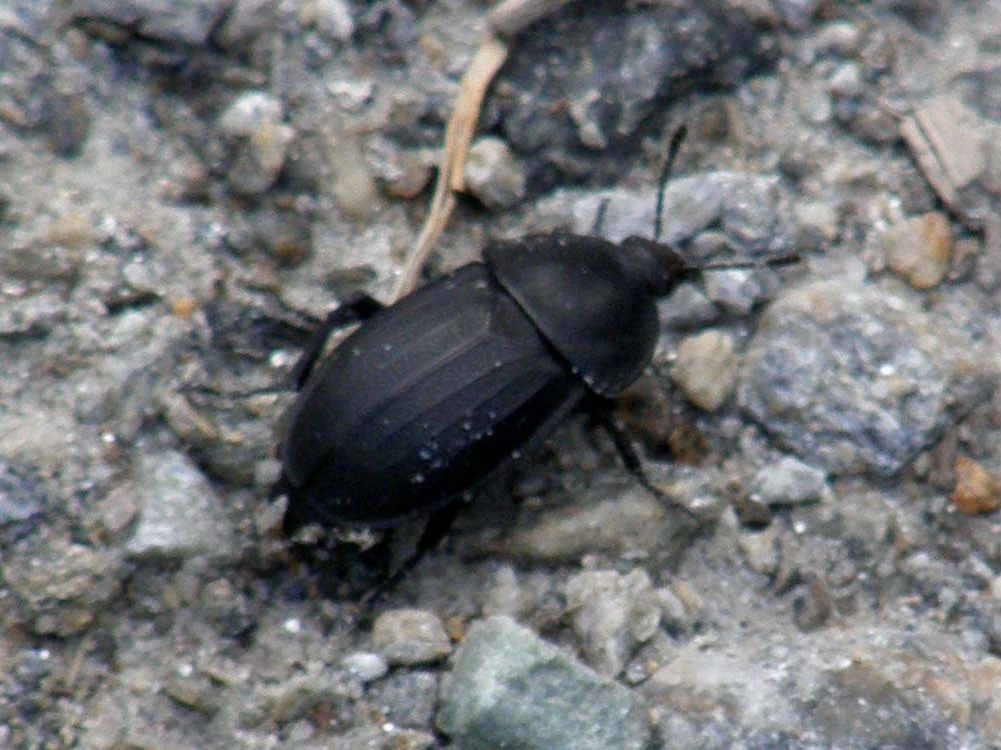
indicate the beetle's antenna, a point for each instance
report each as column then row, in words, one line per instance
column 782, row 260
column 672, row 153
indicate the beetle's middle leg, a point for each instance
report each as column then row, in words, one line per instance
column 356, row 308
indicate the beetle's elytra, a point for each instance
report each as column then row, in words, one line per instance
column 431, row 394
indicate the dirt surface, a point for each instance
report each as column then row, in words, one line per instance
column 188, row 187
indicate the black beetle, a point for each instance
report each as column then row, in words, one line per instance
column 431, row 394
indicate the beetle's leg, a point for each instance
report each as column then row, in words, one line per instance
column 437, row 526
column 356, row 308
column 601, row 410
column 599, row 217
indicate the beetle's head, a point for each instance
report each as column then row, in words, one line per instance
column 660, row 265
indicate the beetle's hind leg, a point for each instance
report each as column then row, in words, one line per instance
column 435, row 529
column 356, row 308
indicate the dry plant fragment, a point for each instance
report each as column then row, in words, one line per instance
column 506, row 19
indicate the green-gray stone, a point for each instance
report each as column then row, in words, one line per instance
column 511, row 690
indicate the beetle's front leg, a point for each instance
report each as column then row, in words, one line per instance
column 356, row 308
column 601, row 410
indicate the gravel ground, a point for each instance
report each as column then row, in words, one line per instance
column 187, row 186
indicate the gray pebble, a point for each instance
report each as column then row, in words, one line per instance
column 192, row 690
column 117, row 510
column 245, row 22
column 686, row 307
column 789, row 481
column 333, row 19
column 737, row 290
column 511, row 689
column 761, row 550
column 816, row 220
column 813, row 606
column 846, row 81
column 31, row 316
column 410, row 636
column 259, row 161
column 253, row 125
column 798, row 13
column 838, row 37
column 493, row 174
column 746, row 208
column 506, row 596
column 612, row 614
column 180, row 515
column 365, row 666
column 677, row 613
column 706, row 368
column 750, row 216
column 22, row 493
column 353, row 186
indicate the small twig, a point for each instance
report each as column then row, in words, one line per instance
column 461, row 126
column 506, row 19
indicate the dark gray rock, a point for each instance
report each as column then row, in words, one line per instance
column 511, row 689
column 22, row 494
column 173, row 21
column 612, row 63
